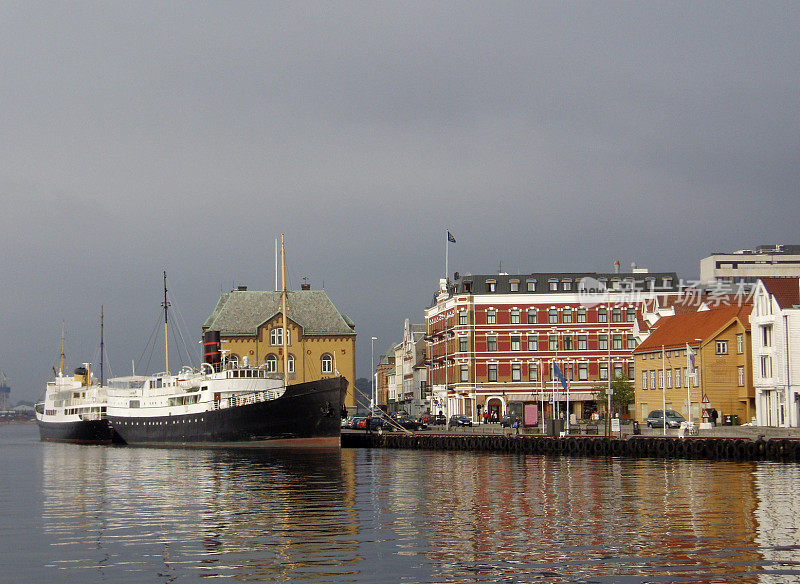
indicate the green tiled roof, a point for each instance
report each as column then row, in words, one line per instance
column 241, row 312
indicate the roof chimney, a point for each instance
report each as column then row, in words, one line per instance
column 305, row 286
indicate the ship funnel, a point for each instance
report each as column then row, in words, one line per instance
column 211, row 349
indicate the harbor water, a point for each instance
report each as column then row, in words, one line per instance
column 90, row 514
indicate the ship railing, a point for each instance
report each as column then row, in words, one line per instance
column 248, row 398
column 91, row 416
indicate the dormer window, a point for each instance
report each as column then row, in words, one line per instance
column 491, row 285
column 531, row 285
column 514, row 285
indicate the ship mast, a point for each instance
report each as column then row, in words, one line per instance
column 101, row 345
column 283, row 310
column 165, row 304
column 61, row 370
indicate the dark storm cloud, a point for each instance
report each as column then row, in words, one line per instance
column 546, row 136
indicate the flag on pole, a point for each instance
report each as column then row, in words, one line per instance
column 690, row 355
column 450, row 237
column 557, row 371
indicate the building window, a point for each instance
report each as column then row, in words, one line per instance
column 602, row 342
column 602, row 315
column 514, row 285
column 582, row 343
column 630, row 315
column 631, row 371
column 741, row 375
column 567, row 342
column 660, row 379
column 515, row 343
column 617, row 342
column 271, row 364
column 531, row 285
column 631, row 342
column 678, row 377
column 722, row 347
column 616, row 315
column 276, row 337
column 553, row 342
column 553, row 285
column 669, row 378
column 566, row 315
column 515, row 316
column 766, row 335
column 531, row 316
column 552, row 316
column 618, row 369
column 491, row 343
column 492, row 372
column 533, row 343
column 326, row 363
column 465, row 373
column 463, row 344
column 653, row 379
column 604, row 371
column 583, row 372
column 740, row 343
column 491, row 316
column 291, row 363
column 533, row 372
column 462, row 317
column 581, row 315
column 766, row 366
column 566, row 285
column 516, row 372
column 644, row 379
column 491, row 285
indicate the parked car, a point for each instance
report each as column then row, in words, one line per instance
column 506, row 421
column 460, row 420
column 427, row 419
column 410, row 423
column 440, row 420
column 655, row 419
column 359, row 423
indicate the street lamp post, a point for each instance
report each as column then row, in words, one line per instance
column 372, row 381
column 700, row 382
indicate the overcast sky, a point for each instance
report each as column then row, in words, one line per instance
column 547, row 136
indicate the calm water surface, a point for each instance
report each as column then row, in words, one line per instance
column 89, row 514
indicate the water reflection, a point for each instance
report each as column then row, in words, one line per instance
column 129, row 515
column 241, row 514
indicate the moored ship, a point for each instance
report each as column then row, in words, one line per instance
column 226, row 402
column 74, row 409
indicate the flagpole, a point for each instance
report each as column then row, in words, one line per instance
column 446, row 255
column 663, row 392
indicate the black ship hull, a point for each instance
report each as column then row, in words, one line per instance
column 307, row 414
column 80, row 432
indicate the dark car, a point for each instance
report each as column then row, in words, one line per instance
column 460, row 420
column 655, row 419
column 506, row 421
column 440, row 420
column 410, row 423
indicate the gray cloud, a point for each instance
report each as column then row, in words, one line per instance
column 546, row 136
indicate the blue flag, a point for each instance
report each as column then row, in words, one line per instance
column 557, row 371
column 450, row 237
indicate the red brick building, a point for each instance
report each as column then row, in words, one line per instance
column 493, row 339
